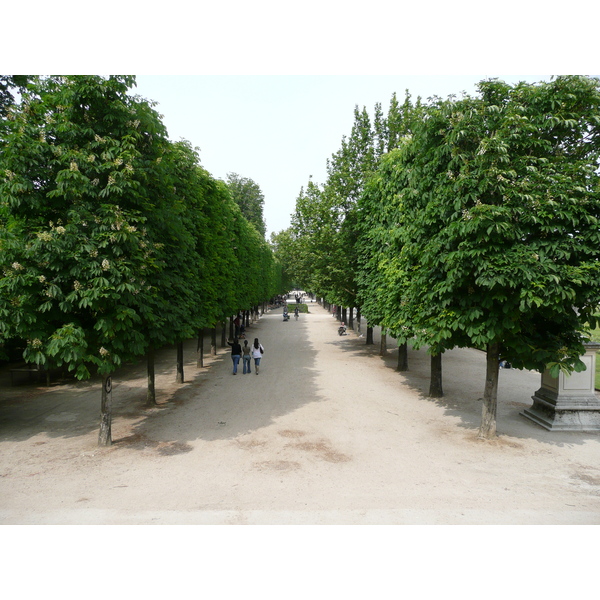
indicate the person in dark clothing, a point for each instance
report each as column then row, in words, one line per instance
column 236, row 353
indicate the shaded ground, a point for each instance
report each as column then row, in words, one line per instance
column 328, row 432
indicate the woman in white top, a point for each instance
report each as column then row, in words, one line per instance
column 257, row 352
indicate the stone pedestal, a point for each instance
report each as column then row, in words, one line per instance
column 568, row 403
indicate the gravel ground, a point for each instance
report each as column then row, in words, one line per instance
column 327, row 433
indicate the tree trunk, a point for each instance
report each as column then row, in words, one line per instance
column 383, row 343
column 351, row 318
column 223, row 334
column 200, row 349
column 435, row 384
column 358, row 319
column 345, row 315
column 104, row 436
column 370, row 336
column 213, row 341
column 231, row 328
column 338, row 313
column 490, row 395
column 402, row 357
column 179, row 378
column 151, row 393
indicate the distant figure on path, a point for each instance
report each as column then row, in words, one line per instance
column 257, row 352
column 247, row 356
column 236, row 353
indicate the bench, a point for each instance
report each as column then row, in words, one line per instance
column 29, row 371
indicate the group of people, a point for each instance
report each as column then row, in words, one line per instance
column 246, row 353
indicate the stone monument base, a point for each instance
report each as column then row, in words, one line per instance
column 568, row 403
column 578, row 414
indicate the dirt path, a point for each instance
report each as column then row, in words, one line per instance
column 328, row 433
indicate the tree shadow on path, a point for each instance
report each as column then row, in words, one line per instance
column 463, row 380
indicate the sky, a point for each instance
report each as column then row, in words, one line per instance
column 279, row 130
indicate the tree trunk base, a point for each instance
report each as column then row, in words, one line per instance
column 435, row 385
column 402, row 357
column 487, row 430
column 105, row 434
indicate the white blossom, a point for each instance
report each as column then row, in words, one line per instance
column 105, row 265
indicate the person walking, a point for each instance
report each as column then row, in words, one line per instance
column 257, row 352
column 236, row 353
column 247, row 357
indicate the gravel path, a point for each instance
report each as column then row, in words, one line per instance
column 327, row 433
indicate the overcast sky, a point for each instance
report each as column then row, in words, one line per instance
column 280, row 130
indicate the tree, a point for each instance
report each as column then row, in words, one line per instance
column 380, row 277
column 249, row 197
column 282, row 247
column 379, row 222
column 503, row 243
column 76, row 254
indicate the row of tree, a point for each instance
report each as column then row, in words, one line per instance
column 471, row 222
column 114, row 240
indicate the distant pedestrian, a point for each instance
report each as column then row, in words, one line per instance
column 257, row 352
column 246, row 357
column 236, row 353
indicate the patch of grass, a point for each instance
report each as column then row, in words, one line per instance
column 292, row 306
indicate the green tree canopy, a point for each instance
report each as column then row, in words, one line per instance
column 497, row 202
column 249, row 197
